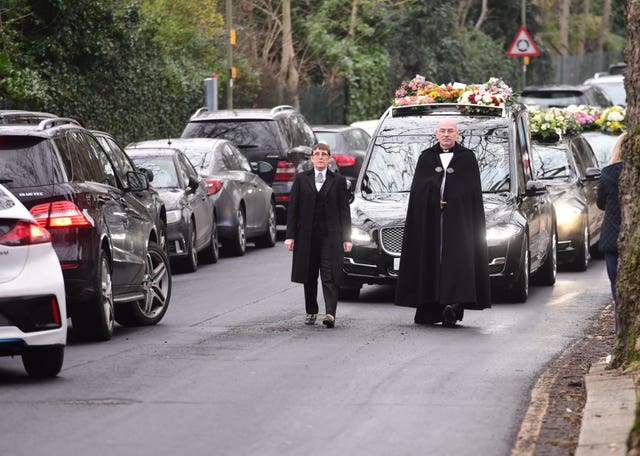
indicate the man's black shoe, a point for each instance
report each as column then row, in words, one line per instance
column 449, row 316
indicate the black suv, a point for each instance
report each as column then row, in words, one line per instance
column 105, row 239
column 280, row 136
column 521, row 226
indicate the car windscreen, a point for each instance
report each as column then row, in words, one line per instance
column 253, row 137
column 615, row 90
column 27, row 162
column 163, row 167
column 394, row 158
column 551, row 161
column 552, row 98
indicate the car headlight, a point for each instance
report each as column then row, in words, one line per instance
column 566, row 212
column 502, row 232
column 360, row 236
column 174, row 216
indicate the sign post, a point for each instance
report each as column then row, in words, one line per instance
column 523, row 46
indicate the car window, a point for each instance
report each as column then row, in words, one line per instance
column 586, row 152
column 28, row 162
column 552, row 98
column 330, row 138
column 522, row 150
column 393, row 160
column 121, row 163
column 230, row 160
column 253, row 137
column 85, row 165
column 186, row 167
column 105, row 163
column 163, row 168
column 551, row 161
column 308, row 136
column 362, row 139
column 242, row 161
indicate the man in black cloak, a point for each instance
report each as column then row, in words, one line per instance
column 443, row 265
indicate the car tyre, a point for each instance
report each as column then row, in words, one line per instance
column 43, row 361
column 519, row 290
column 237, row 245
column 547, row 273
column 582, row 256
column 94, row 319
column 190, row 262
column 269, row 238
column 211, row 253
column 157, row 292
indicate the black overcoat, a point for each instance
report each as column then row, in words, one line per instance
column 429, row 277
column 300, row 221
column 608, row 202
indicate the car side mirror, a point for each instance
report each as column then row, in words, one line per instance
column 298, row 155
column 592, row 173
column 137, row 181
column 535, row 188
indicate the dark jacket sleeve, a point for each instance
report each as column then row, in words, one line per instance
column 602, row 194
column 292, row 209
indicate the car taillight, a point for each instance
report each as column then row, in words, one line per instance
column 55, row 311
column 344, row 160
column 285, row 171
column 213, row 185
column 25, row 233
column 59, row 214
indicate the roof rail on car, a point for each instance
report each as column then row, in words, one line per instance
column 280, row 108
column 200, row 111
column 453, row 108
column 50, row 123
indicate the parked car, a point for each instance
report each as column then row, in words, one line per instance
column 280, row 136
column 191, row 220
column 601, row 143
column 17, row 117
column 33, row 315
column 570, row 169
column 561, row 96
column 367, row 125
column 348, row 145
column 613, row 85
column 244, row 203
column 521, row 226
column 105, row 239
column 149, row 198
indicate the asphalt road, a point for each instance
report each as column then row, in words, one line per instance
column 231, row 370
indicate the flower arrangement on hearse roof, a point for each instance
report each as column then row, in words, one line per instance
column 419, row 91
column 551, row 124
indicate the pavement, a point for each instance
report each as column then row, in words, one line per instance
column 609, row 412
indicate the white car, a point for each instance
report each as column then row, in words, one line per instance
column 33, row 315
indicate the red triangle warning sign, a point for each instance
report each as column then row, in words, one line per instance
column 523, row 45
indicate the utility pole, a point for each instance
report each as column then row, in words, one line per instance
column 525, row 60
column 231, row 40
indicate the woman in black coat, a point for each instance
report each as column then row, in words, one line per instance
column 608, row 202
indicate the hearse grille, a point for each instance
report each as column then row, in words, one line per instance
column 391, row 239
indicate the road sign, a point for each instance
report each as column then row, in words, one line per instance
column 523, row 45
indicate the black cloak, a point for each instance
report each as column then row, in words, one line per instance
column 444, row 251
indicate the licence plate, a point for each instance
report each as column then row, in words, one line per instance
column 396, row 264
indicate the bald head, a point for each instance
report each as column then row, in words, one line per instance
column 447, row 133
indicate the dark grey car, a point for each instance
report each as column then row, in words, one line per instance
column 191, row 227
column 244, row 203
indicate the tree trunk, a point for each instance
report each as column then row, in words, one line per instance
column 483, row 14
column 604, row 24
column 583, row 28
column 565, row 14
column 289, row 76
column 627, row 344
column 354, row 19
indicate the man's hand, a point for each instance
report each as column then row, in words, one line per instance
column 347, row 246
column 288, row 243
